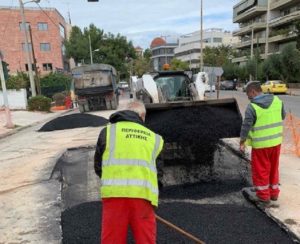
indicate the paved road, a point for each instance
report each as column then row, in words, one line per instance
column 291, row 103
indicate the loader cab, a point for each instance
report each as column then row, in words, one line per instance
column 173, row 85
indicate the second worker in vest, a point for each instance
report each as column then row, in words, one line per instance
column 262, row 130
column 125, row 160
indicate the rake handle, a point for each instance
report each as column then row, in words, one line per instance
column 181, row 231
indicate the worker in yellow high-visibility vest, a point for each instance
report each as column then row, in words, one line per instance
column 262, row 130
column 125, row 160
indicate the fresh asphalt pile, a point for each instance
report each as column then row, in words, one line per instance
column 213, row 223
column 73, row 121
column 196, row 130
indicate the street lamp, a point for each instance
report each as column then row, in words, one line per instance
column 29, row 60
column 201, row 36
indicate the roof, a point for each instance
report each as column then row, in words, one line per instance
column 158, row 41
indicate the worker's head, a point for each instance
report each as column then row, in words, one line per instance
column 253, row 89
column 138, row 108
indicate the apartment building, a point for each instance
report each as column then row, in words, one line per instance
column 48, row 32
column 265, row 26
column 189, row 49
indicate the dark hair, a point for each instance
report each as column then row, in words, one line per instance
column 253, row 85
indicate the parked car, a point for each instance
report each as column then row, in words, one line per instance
column 274, row 86
column 123, row 85
column 228, row 85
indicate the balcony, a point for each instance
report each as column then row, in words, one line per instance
column 283, row 37
column 248, row 43
column 248, row 28
column 285, row 19
column 278, row 4
column 250, row 13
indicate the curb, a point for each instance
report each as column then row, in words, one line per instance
column 14, row 131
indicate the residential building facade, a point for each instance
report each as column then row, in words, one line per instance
column 48, row 32
column 189, row 45
column 162, row 53
column 265, row 27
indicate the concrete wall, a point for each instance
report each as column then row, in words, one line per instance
column 17, row 99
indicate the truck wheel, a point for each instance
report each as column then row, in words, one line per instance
column 81, row 108
column 108, row 105
column 113, row 104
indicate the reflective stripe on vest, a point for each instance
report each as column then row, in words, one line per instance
column 137, row 182
column 268, row 128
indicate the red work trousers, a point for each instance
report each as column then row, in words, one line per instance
column 265, row 172
column 120, row 213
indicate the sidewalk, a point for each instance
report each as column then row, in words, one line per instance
column 24, row 119
column 293, row 92
column 286, row 211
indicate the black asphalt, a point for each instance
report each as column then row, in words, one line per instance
column 214, row 223
column 195, row 129
column 74, row 121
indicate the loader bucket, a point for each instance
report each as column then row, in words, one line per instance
column 191, row 131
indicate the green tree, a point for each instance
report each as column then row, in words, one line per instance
column 147, row 53
column 141, row 66
column 177, row 64
column 18, row 81
column 297, row 30
column 272, row 68
column 107, row 48
column 290, row 63
column 77, row 45
column 217, row 56
column 231, row 71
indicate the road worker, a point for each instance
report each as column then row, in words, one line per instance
column 125, row 160
column 262, row 129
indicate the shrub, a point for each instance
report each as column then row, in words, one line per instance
column 39, row 103
column 59, row 99
column 21, row 80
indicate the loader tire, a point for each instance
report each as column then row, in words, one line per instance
column 81, row 108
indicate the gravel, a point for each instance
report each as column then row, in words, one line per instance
column 73, row 121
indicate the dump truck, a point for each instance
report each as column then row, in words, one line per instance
column 95, row 87
column 190, row 125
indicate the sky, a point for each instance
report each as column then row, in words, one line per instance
column 143, row 20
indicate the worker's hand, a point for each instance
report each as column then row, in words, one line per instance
column 242, row 147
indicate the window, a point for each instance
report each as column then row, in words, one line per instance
column 45, row 47
column 21, row 26
column 47, row 67
column 62, row 31
column 24, row 48
column 217, row 39
column 26, row 67
column 42, row 26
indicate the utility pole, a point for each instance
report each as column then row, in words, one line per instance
column 252, row 37
column 91, row 52
column 267, row 30
column 38, row 83
column 29, row 61
column 9, row 123
column 201, row 37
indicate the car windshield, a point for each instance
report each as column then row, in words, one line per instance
column 172, row 86
column 277, row 82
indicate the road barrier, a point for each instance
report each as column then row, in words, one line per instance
column 291, row 140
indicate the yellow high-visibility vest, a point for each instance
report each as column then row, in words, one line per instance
column 268, row 128
column 129, row 162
